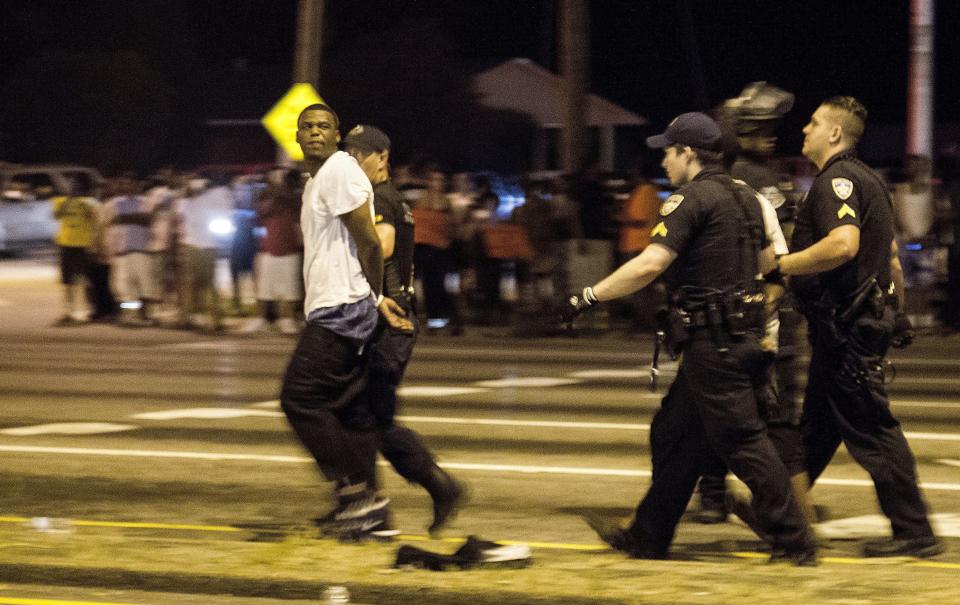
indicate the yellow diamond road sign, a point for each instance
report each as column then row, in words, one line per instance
column 281, row 120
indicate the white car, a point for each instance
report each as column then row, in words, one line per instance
column 26, row 214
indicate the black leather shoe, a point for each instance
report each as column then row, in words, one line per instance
column 614, row 535
column 801, row 558
column 710, row 515
column 925, row 547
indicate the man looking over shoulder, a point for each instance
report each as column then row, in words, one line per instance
column 323, row 394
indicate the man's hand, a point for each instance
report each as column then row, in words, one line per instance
column 903, row 333
column 394, row 314
column 576, row 304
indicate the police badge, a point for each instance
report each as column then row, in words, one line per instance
column 670, row 204
column 842, row 187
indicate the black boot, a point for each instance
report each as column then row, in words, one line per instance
column 448, row 496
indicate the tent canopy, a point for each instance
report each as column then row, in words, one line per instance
column 523, row 86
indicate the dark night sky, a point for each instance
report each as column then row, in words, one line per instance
column 639, row 57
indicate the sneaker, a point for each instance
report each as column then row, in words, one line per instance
column 288, row 326
column 364, row 519
column 928, row 546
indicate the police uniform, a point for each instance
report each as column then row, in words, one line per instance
column 711, row 405
column 392, row 347
column 850, row 328
column 389, row 354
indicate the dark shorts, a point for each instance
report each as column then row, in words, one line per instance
column 73, row 264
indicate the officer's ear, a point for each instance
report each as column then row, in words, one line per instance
column 836, row 134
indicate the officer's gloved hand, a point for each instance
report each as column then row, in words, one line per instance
column 576, row 304
column 903, row 333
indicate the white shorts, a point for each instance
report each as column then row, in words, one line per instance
column 279, row 277
column 133, row 277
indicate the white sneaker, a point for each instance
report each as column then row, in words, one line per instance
column 288, row 326
column 254, row 324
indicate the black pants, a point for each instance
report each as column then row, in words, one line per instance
column 846, row 401
column 782, row 393
column 709, row 408
column 98, row 292
column 324, row 398
column 402, row 447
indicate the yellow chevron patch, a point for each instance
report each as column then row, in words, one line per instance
column 660, row 230
column 846, row 210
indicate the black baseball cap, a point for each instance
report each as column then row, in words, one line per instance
column 367, row 138
column 692, row 129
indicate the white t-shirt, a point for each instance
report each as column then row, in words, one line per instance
column 331, row 270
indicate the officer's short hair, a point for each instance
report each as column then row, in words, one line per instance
column 320, row 107
column 707, row 157
column 850, row 113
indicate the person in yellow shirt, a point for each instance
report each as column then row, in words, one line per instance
column 77, row 217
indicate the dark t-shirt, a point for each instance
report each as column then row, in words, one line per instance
column 390, row 208
column 846, row 192
column 707, row 227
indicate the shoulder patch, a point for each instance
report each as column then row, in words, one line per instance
column 842, row 187
column 660, row 230
column 670, row 204
column 846, row 210
column 773, row 195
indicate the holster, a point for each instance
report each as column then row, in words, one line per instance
column 868, row 297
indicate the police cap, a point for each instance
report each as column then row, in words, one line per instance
column 692, row 129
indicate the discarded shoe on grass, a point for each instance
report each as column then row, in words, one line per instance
column 475, row 553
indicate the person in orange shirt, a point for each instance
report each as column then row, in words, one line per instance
column 636, row 218
column 433, row 238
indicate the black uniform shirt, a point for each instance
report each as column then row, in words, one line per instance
column 775, row 186
column 705, row 225
column 845, row 192
column 390, row 208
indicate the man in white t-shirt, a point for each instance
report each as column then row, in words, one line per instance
column 323, row 393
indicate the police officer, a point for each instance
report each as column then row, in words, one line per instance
column 750, row 122
column 393, row 344
column 843, row 266
column 709, row 246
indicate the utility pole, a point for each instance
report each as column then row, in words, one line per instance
column 306, row 58
column 306, row 53
column 574, row 61
column 920, row 89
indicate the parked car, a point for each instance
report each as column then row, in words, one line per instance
column 26, row 214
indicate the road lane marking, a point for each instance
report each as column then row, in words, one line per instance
column 68, row 428
column 507, row 468
column 948, row 461
column 525, row 423
column 945, row 525
column 421, row 538
column 527, row 382
column 205, row 413
column 438, row 391
column 21, row 601
column 82, row 451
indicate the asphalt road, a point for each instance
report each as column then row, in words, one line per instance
column 134, row 442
